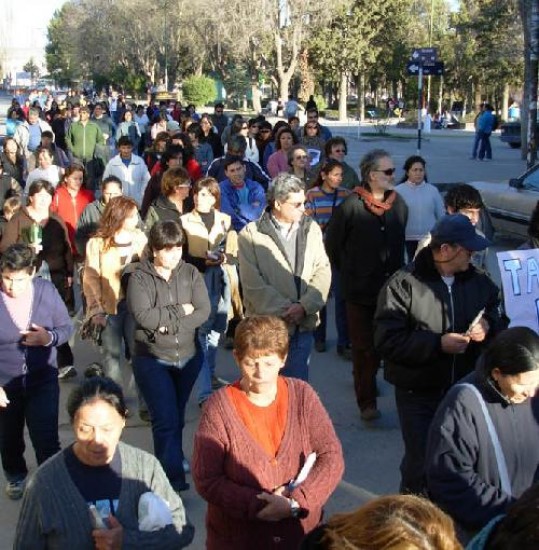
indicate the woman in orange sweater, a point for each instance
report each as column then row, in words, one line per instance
column 254, row 438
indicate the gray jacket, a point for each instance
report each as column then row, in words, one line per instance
column 55, row 516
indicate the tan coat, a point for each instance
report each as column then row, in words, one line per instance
column 198, row 238
column 102, row 273
column 269, row 285
column 200, row 241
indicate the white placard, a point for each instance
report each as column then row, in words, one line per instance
column 519, row 270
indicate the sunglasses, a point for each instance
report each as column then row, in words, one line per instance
column 388, row 172
column 312, row 127
column 265, row 131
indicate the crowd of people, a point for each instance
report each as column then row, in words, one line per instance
column 172, row 233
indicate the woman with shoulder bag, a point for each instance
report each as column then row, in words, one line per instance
column 117, row 243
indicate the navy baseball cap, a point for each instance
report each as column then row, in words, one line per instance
column 458, row 229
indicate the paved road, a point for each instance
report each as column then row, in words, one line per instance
column 372, row 451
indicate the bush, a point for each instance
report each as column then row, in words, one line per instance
column 199, row 90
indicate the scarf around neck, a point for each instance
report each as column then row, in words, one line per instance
column 377, row 207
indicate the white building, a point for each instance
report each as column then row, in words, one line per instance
column 23, row 35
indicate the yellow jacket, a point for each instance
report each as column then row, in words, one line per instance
column 102, row 273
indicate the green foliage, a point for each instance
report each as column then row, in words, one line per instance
column 321, row 102
column 237, row 83
column 199, row 90
column 31, row 67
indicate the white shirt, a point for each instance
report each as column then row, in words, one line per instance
column 134, row 177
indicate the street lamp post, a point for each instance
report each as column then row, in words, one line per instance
column 166, row 46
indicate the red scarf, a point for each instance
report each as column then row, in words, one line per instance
column 378, row 208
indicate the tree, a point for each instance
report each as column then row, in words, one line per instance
column 31, row 67
column 199, row 90
column 347, row 46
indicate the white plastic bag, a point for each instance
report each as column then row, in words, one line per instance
column 153, row 512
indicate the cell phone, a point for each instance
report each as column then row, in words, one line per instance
column 96, row 519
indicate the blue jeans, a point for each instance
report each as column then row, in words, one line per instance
column 485, row 147
column 38, row 407
column 476, row 141
column 341, row 322
column 299, row 355
column 166, row 390
column 209, row 342
column 119, row 332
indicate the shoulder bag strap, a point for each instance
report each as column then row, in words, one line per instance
column 498, row 451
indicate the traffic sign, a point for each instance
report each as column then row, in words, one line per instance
column 434, row 69
column 425, row 55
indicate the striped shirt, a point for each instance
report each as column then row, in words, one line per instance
column 320, row 205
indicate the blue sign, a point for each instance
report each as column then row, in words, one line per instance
column 434, row 69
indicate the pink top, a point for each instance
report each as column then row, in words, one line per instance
column 277, row 163
column 20, row 308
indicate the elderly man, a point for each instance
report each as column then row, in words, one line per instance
column 365, row 242
column 130, row 169
column 432, row 321
column 284, row 269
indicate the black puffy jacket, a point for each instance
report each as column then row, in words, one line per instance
column 415, row 308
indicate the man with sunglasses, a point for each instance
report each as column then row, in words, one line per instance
column 284, row 269
column 432, row 321
column 365, row 242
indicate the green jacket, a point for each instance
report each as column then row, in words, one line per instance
column 82, row 139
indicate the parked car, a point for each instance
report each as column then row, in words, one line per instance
column 509, row 206
column 510, row 133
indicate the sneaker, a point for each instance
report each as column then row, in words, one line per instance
column 218, row 383
column 94, row 369
column 67, row 372
column 15, row 489
column 186, row 467
column 320, row 347
column 370, row 414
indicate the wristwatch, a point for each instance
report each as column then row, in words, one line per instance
column 295, row 508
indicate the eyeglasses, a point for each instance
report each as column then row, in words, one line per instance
column 265, row 131
column 387, row 172
column 312, row 127
column 300, row 157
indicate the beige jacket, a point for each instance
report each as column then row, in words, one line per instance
column 199, row 240
column 102, row 273
column 268, row 282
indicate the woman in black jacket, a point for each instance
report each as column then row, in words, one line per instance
column 169, row 301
